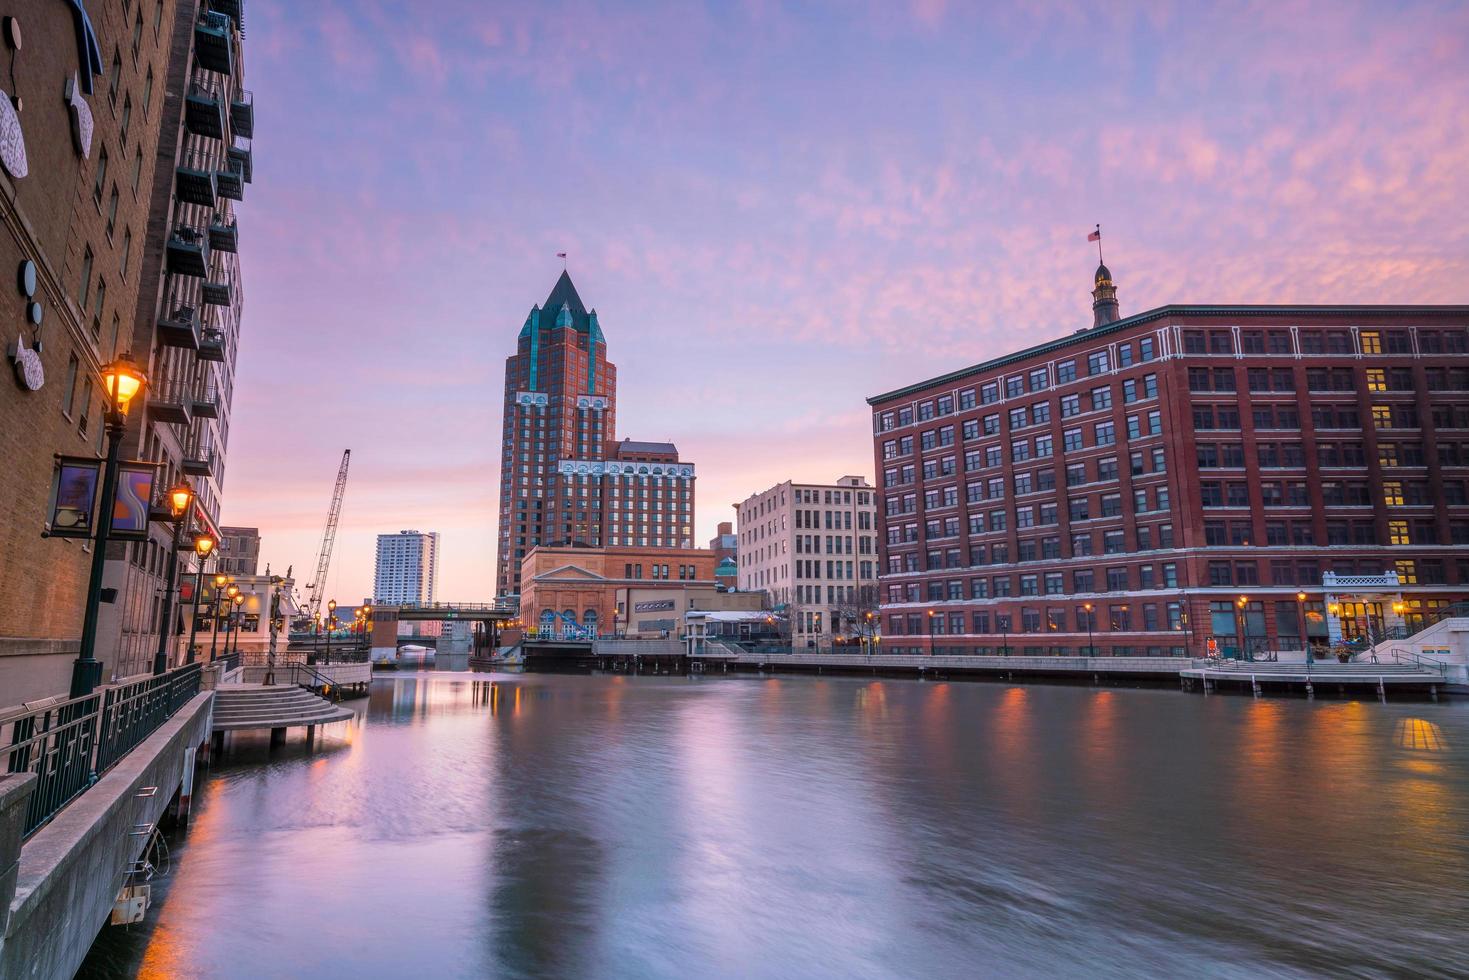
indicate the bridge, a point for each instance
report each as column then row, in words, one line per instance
column 490, row 618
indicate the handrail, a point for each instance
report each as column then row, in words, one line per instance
column 327, row 686
column 1420, row 659
column 70, row 744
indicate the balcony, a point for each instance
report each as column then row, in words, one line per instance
column 204, row 111
column 199, row 458
column 169, row 403
column 240, row 158
column 211, row 346
column 242, row 115
column 213, row 47
column 224, row 234
column 233, row 9
column 179, row 327
column 195, row 180
column 205, row 404
column 230, row 181
column 188, row 252
column 219, row 291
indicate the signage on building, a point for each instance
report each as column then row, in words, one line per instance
column 656, row 605
column 29, row 371
column 73, row 498
column 81, row 117
column 12, row 140
column 134, row 493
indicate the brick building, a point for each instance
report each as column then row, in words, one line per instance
column 76, row 170
column 185, row 324
column 1163, row 466
column 563, row 476
column 812, row 548
column 587, row 588
column 239, row 551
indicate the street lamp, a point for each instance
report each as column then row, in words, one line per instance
column 1305, row 633
column 203, row 548
column 219, row 581
column 121, row 380
column 180, row 496
column 331, row 622
column 1241, row 603
column 1090, row 647
column 1003, row 621
column 930, row 632
column 239, row 600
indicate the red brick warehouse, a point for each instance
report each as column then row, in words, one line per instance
column 1161, row 467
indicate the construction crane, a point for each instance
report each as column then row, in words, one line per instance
column 317, row 586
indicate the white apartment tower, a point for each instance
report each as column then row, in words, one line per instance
column 812, row 548
column 407, row 567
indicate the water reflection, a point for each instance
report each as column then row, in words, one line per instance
column 532, row 825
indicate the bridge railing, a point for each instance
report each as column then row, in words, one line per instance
column 69, row 744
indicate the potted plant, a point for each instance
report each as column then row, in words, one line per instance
column 1344, row 653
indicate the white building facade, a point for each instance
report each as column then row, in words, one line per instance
column 812, row 548
column 407, row 569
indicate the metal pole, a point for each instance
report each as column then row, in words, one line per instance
column 86, row 670
column 213, row 624
column 1090, row 646
column 198, row 601
column 270, row 610
column 165, row 629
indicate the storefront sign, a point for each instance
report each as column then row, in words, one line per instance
column 74, row 498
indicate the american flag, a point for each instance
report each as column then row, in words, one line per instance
column 1095, row 236
column 561, row 255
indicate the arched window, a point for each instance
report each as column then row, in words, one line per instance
column 589, row 620
column 569, row 616
column 548, row 619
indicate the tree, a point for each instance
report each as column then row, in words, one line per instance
column 856, row 614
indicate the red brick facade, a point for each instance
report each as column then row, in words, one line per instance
column 1162, row 466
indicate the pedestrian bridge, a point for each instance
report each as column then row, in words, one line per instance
column 386, row 617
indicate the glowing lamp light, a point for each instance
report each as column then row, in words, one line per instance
column 122, row 380
column 220, row 580
column 1242, row 602
column 1300, row 597
column 238, row 599
column 180, row 496
column 203, row 545
column 233, row 591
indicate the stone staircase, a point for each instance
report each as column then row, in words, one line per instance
column 241, row 707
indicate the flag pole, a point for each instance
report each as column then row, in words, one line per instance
column 1100, row 261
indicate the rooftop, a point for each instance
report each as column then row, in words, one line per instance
column 1085, row 336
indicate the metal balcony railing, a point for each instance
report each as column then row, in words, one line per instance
column 70, row 744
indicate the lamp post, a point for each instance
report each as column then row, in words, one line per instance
column 121, row 381
column 239, row 600
column 1305, row 633
column 1087, row 607
column 219, row 582
column 930, row 632
column 203, row 547
column 275, row 597
column 331, row 621
column 180, row 496
column 1240, row 605
column 1003, row 621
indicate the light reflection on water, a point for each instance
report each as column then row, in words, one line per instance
column 541, row 825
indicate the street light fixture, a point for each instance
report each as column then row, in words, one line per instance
column 180, row 497
column 1090, row 647
column 930, row 632
column 239, row 600
column 1305, row 632
column 1240, row 604
column 121, row 380
column 219, row 582
column 203, row 548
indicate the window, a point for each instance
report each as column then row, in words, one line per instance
column 101, row 178
column 127, row 119
column 127, row 250
column 1371, row 342
column 70, row 387
column 116, row 79
column 1098, row 362
column 1101, row 398
column 86, row 287
column 112, row 212
column 1065, row 371
column 1397, row 532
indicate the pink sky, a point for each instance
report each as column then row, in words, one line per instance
column 778, row 210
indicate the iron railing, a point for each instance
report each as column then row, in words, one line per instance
column 70, row 744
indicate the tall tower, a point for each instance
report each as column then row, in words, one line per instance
column 560, row 403
column 1104, row 298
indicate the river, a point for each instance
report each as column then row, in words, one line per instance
column 614, row 826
